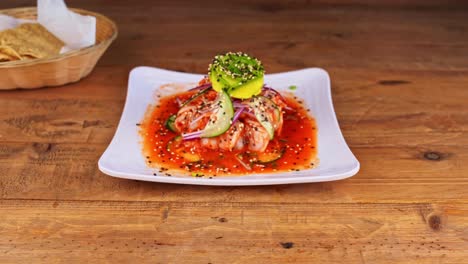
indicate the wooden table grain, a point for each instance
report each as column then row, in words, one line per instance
column 399, row 76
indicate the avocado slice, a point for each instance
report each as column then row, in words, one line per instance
column 239, row 74
column 248, row 90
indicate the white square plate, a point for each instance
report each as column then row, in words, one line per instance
column 124, row 158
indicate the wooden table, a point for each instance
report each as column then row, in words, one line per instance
column 400, row 88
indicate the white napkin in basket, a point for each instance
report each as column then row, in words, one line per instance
column 75, row 30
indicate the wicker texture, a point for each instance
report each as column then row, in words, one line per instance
column 59, row 70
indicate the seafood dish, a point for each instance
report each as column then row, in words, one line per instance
column 230, row 123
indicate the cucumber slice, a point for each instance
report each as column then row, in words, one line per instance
column 261, row 105
column 269, row 157
column 175, row 146
column 170, row 123
column 220, row 120
column 195, row 96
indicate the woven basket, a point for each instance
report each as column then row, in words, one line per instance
column 61, row 69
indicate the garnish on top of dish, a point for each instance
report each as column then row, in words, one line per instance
column 230, row 124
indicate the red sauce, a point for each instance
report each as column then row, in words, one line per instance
column 298, row 139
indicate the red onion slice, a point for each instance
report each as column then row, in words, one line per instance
column 237, row 114
column 203, row 86
column 179, row 103
column 192, row 135
column 274, row 91
column 238, row 104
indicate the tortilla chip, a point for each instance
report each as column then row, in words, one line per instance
column 27, row 57
column 31, row 40
column 6, row 57
column 10, row 52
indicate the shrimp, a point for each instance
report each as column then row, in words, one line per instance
column 275, row 97
column 204, row 81
column 196, row 114
column 246, row 133
column 226, row 141
column 255, row 136
column 276, row 119
column 190, row 119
